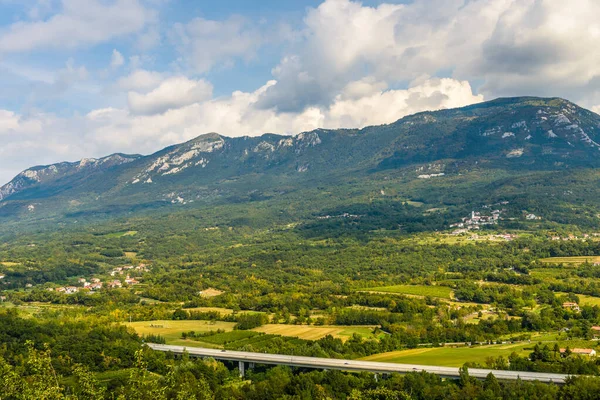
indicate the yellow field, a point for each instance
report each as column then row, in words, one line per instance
column 548, row 273
column 486, row 316
column 121, row 234
column 308, row 332
column 466, row 304
column 584, row 300
column 571, row 260
column 588, row 300
column 458, row 356
column 224, row 311
column 210, row 292
column 462, row 239
column 442, row 292
column 171, row 330
column 449, row 356
column 9, row 264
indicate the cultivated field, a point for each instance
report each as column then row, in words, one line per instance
column 547, row 273
column 171, row 330
column 571, row 260
column 9, row 264
column 442, row 292
column 120, row 234
column 450, row 356
column 223, row 311
column 315, row 332
column 458, row 356
column 585, row 300
column 210, row 292
column 33, row 308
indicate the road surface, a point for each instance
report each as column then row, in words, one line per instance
column 353, row 365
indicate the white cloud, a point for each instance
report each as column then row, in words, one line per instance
column 346, row 41
column 40, row 9
column 375, row 107
column 174, row 92
column 347, row 67
column 116, row 59
column 69, row 75
column 510, row 47
column 149, row 39
column 9, row 122
column 544, row 47
column 204, row 44
column 140, row 80
column 47, row 138
column 237, row 115
column 80, row 22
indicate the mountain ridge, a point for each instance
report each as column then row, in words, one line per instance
column 522, row 133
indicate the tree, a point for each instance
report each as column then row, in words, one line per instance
column 464, row 378
column 41, row 381
column 87, row 384
column 491, row 384
column 142, row 384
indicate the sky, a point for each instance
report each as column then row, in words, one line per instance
column 88, row 78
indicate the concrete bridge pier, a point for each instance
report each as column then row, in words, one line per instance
column 242, row 367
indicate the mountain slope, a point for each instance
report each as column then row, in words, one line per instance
column 514, row 134
column 47, row 175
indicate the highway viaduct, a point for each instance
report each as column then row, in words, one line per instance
column 243, row 357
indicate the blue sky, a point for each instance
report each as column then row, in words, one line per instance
column 86, row 78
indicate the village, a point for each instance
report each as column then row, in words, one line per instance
column 95, row 284
column 475, row 221
column 478, row 219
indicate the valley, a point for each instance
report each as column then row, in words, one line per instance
column 329, row 244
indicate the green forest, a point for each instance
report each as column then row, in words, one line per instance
column 493, row 298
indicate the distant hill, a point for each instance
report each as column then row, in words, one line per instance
column 503, row 140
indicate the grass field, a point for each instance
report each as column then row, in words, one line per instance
column 458, row 356
column 210, row 292
column 26, row 310
column 9, row 264
column 571, row 260
column 584, row 300
column 467, row 304
column 442, row 292
column 308, row 332
column 228, row 337
column 171, row 330
column 450, row 356
column 224, row 311
column 547, row 273
column 486, row 316
column 120, row 234
column 462, row 239
column 588, row 300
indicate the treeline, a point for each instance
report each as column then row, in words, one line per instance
column 161, row 378
column 72, row 341
column 84, row 298
column 244, row 321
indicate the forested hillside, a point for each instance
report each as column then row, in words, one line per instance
column 466, row 238
column 538, row 153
